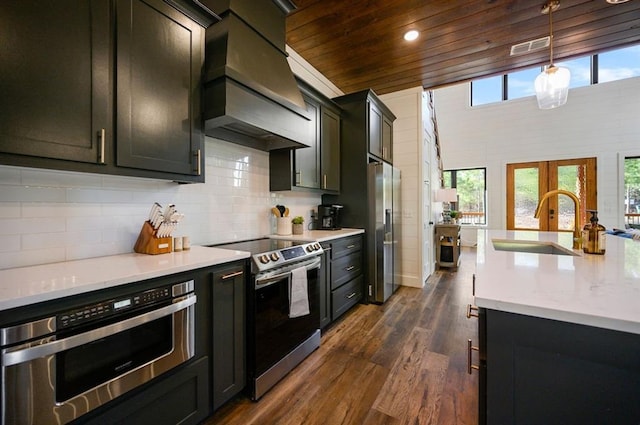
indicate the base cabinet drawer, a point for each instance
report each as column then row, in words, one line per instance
column 345, row 297
column 345, row 268
column 181, row 398
column 346, row 246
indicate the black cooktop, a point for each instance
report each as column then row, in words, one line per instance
column 259, row 246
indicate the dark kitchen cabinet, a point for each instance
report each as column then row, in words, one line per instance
column 55, row 79
column 546, row 371
column 228, row 329
column 368, row 125
column 325, row 286
column 178, row 398
column 101, row 86
column 315, row 167
column 341, row 276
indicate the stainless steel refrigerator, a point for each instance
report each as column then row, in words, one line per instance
column 383, row 187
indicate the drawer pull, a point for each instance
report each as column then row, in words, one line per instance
column 471, row 308
column 350, row 246
column 352, row 295
column 230, row 275
column 350, row 268
column 471, row 348
column 473, row 287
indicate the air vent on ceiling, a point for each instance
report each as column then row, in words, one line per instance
column 530, row 46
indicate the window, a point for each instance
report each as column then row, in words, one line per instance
column 619, row 64
column 486, row 90
column 471, row 187
column 632, row 192
column 601, row 68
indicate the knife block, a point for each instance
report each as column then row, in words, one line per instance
column 149, row 243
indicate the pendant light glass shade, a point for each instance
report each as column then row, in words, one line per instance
column 552, row 87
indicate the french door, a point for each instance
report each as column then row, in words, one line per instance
column 527, row 182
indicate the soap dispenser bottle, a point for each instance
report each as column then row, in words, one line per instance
column 593, row 235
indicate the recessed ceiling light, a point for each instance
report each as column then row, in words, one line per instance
column 616, row 1
column 411, row 35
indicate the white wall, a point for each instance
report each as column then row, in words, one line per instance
column 598, row 121
column 406, row 105
column 49, row 216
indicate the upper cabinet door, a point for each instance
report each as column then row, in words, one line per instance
column 307, row 160
column 54, row 78
column 330, row 160
column 375, row 130
column 387, row 139
column 159, row 59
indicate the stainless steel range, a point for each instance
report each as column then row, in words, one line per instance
column 283, row 310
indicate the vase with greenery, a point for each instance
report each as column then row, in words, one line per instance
column 298, row 222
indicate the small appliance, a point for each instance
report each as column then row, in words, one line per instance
column 329, row 217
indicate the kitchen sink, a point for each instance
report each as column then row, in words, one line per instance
column 534, row 247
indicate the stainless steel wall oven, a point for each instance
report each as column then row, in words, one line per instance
column 60, row 367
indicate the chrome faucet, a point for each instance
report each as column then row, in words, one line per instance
column 577, row 235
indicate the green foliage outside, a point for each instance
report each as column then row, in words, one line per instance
column 632, row 185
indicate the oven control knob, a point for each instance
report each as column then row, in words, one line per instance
column 275, row 256
column 309, row 248
column 264, row 259
column 316, row 246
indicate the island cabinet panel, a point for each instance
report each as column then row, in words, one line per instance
column 54, row 95
column 102, row 86
column 228, row 331
column 542, row 371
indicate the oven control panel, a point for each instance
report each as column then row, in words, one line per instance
column 279, row 257
column 104, row 309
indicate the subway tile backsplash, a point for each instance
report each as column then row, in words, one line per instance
column 49, row 216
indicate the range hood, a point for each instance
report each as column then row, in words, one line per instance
column 250, row 94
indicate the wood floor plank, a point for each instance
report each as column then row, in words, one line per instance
column 403, row 362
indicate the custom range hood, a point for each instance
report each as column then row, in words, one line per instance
column 250, row 94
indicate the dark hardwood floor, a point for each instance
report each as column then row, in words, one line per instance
column 404, row 362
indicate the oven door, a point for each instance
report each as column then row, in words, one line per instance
column 57, row 379
column 276, row 334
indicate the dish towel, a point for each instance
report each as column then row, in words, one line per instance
column 298, row 298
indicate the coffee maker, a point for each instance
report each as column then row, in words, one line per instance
column 329, row 217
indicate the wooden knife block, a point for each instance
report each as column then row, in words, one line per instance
column 149, row 243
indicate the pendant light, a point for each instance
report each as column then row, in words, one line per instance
column 552, row 85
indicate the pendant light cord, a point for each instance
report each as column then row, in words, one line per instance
column 550, row 34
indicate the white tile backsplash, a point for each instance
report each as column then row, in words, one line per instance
column 49, row 216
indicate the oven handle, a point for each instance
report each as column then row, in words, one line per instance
column 10, row 358
column 261, row 283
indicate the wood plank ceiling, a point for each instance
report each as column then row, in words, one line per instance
column 359, row 44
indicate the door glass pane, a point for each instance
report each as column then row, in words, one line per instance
column 526, row 198
column 632, row 192
column 571, row 178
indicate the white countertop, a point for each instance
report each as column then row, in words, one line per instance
column 319, row 235
column 594, row 290
column 28, row 285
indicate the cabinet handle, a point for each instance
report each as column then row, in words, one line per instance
column 103, row 135
column 352, row 295
column 298, row 177
column 197, row 154
column 351, row 246
column 384, row 153
column 230, row 275
column 473, row 287
column 350, row 268
column 324, row 181
column 471, row 308
column 471, row 348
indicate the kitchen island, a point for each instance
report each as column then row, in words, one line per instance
column 559, row 333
